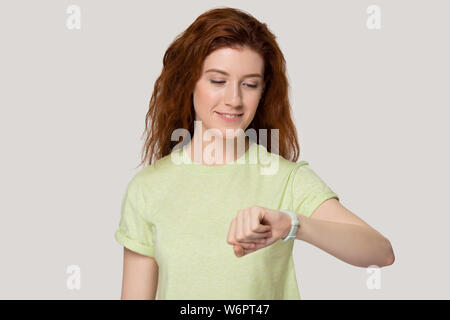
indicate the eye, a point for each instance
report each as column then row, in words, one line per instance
column 254, row 86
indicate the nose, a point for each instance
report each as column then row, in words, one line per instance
column 233, row 95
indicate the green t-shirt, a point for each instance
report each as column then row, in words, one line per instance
column 180, row 214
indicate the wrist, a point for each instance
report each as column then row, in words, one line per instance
column 301, row 227
column 286, row 225
column 290, row 225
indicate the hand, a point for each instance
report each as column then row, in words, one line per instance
column 257, row 227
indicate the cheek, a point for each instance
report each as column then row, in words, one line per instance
column 205, row 99
column 252, row 104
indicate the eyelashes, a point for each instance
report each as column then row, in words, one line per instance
column 253, row 86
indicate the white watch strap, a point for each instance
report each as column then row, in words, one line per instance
column 294, row 225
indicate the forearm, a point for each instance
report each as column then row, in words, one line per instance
column 355, row 244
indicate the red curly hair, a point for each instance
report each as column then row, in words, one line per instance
column 171, row 105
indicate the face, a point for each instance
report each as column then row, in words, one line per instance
column 231, row 82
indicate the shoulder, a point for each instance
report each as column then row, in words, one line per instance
column 304, row 174
column 284, row 166
column 158, row 173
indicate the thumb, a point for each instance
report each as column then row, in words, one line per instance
column 270, row 218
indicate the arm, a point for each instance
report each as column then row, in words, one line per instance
column 336, row 230
column 140, row 276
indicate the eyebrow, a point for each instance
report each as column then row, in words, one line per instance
column 225, row 73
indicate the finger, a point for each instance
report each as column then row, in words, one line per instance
column 246, row 245
column 247, row 226
column 231, row 233
column 239, row 251
column 258, row 236
column 232, row 237
column 263, row 238
column 247, row 223
column 240, row 231
column 259, row 246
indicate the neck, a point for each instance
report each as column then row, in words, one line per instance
column 217, row 153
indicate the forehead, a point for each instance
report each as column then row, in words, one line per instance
column 235, row 61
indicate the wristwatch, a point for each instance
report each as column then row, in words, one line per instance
column 294, row 225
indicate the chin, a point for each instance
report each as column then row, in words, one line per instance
column 234, row 134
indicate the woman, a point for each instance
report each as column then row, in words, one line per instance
column 206, row 221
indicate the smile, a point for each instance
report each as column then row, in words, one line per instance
column 229, row 117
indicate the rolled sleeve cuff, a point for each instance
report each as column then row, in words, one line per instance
column 317, row 201
column 133, row 244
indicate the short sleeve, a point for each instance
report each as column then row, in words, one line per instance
column 309, row 190
column 135, row 231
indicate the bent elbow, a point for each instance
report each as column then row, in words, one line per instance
column 391, row 256
column 390, row 260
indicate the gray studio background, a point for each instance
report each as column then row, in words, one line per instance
column 371, row 108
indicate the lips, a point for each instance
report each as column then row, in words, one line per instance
column 231, row 114
column 234, row 117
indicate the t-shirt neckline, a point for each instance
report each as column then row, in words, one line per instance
column 198, row 167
